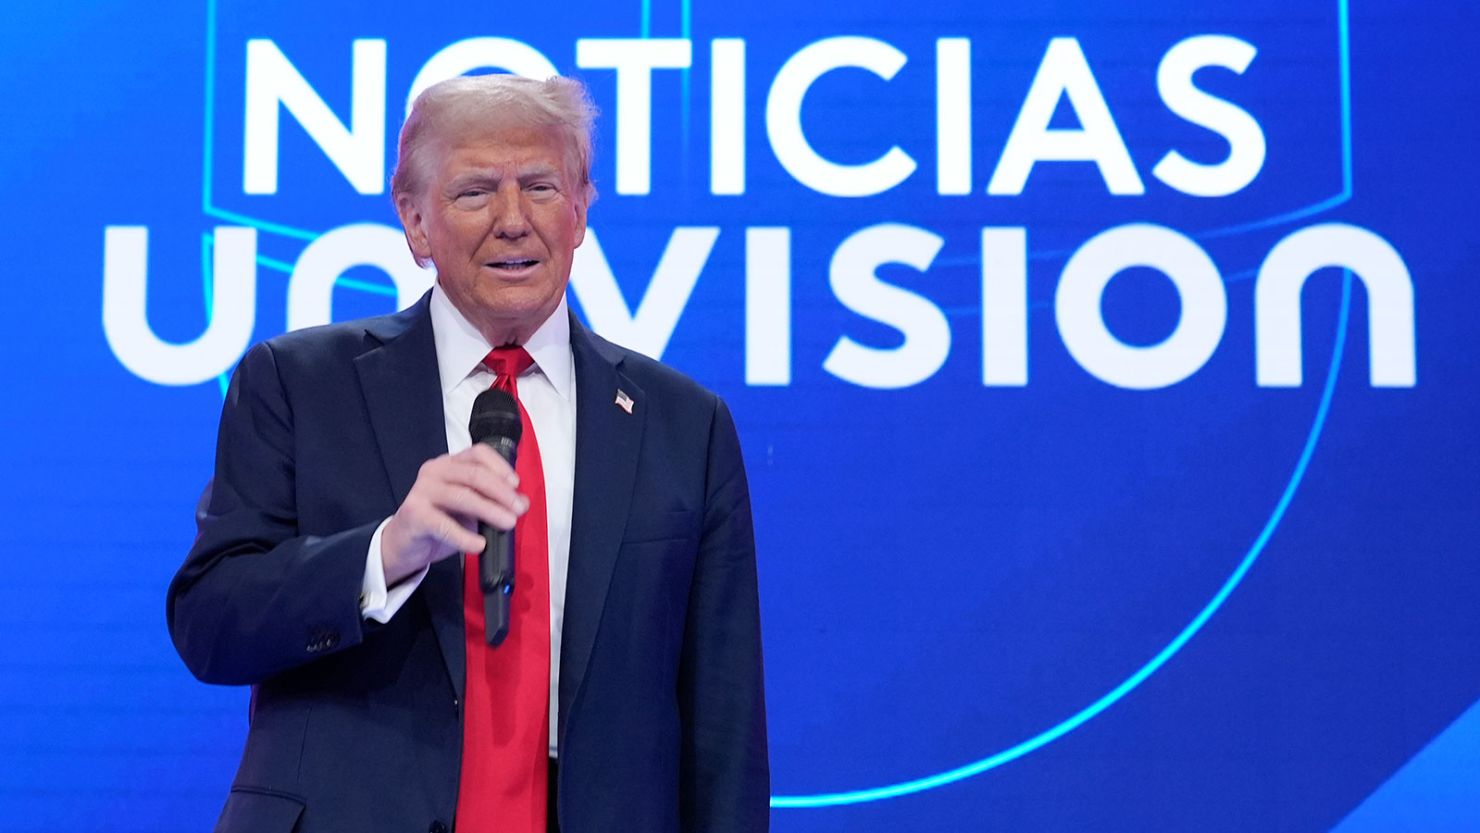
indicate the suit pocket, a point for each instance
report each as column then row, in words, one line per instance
column 256, row 811
column 661, row 526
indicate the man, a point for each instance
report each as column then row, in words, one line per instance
column 328, row 570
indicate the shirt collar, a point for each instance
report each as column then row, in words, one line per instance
column 460, row 347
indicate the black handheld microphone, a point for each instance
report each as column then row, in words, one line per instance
column 495, row 423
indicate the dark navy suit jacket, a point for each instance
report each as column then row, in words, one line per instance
column 356, row 726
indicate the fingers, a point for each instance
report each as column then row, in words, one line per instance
column 476, row 484
column 462, row 501
column 489, row 460
column 451, row 496
column 484, row 479
column 437, row 526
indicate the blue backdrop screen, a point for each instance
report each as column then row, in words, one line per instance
column 1105, row 375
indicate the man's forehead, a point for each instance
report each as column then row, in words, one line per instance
column 504, row 148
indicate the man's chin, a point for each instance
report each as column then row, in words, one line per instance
column 512, row 315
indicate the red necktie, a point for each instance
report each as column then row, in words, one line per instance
column 506, row 720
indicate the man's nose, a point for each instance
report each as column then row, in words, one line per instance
column 510, row 215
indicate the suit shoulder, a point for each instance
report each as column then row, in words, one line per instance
column 320, row 340
column 328, row 345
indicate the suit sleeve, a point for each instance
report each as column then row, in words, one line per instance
column 254, row 597
column 725, row 771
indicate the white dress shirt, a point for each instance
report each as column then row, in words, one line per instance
column 548, row 392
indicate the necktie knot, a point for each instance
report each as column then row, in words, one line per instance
column 508, row 362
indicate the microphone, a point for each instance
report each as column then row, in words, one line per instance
column 495, row 423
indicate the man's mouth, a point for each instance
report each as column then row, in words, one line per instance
column 512, row 264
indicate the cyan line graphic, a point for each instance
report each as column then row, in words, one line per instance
column 1131, row 683
column 1117, row 693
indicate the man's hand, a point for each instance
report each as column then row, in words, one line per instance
column 440, row 515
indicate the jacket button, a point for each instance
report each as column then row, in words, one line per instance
column 437, row 827
column 321, row 639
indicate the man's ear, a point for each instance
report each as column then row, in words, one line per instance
column 413, row 222
column 581, row 205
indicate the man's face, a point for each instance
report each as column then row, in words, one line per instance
column 500, row 217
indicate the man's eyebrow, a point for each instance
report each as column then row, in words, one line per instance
column 472, row 178
column 538, row 170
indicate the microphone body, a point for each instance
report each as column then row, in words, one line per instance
column 495, row 423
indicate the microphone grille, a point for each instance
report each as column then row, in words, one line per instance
column 495, row 414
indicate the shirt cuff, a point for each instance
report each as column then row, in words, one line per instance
column 377, row 601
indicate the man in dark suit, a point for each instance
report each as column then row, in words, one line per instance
column 328, row 570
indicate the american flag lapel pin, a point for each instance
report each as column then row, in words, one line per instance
column 624, row 401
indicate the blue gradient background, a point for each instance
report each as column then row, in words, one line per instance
column 949, row 571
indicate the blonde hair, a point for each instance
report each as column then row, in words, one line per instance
column 489, row 102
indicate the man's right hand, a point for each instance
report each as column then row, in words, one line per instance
column 440, row 515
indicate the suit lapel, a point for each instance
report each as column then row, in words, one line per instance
column 608, row 442
column 398, row 375
column 403, row 394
